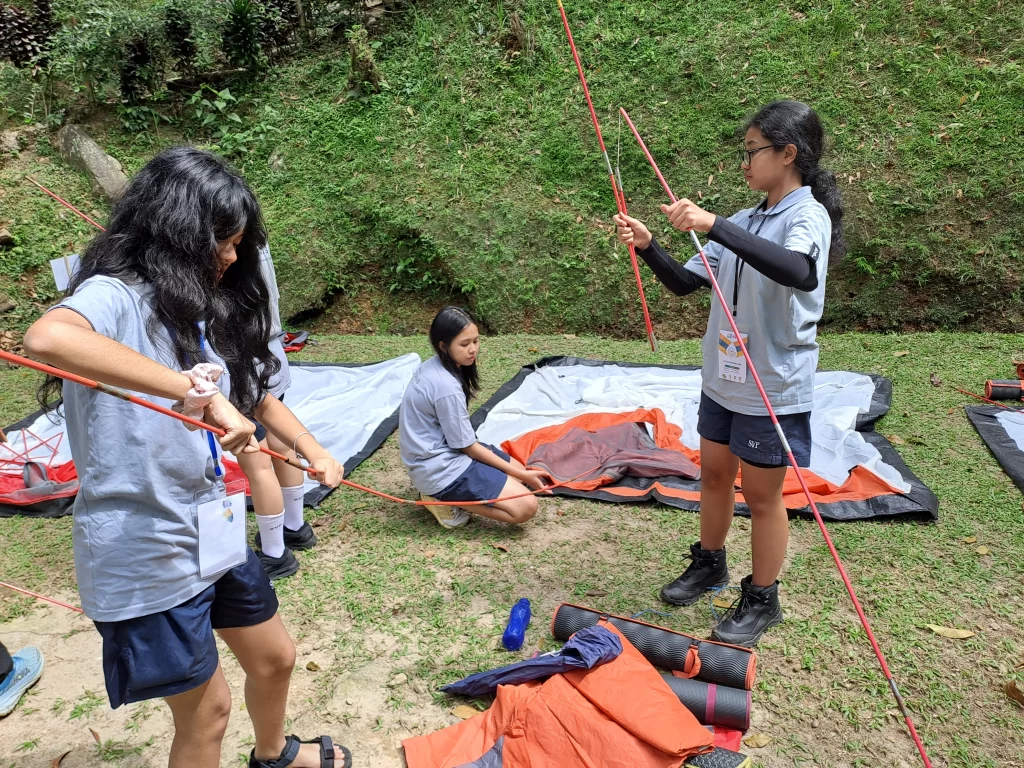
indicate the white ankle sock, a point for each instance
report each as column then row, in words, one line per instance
column 271, row 534
column 293, row 507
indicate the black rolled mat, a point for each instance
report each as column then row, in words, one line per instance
column 712, row 704
column 719, row 663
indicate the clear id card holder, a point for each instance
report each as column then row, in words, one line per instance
column 221, row 525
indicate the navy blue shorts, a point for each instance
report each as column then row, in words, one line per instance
column 753, row 438
column 166, row 653
column 479, row 482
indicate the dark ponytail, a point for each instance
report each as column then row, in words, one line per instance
column 793, row 122
column 449, row 323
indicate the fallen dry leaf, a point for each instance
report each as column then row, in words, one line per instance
column 916, row 441
column 935, row 380
column 897, row 440
column 500, row 547
column 951, row 632
column 721, row 602
column 464, row 712
column 96, row 736
column 970, row 539
column 313, row 666
column 596, row 593
column 758, row 740
column 1011, row 690
column 982, row 550
column 429, row 553
column 534, row 350
column 902, row 353
column 57, row 760
column 951, row 411
column 568, row 335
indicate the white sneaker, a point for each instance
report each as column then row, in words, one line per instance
column 449, row 517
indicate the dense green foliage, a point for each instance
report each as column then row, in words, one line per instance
column 474, row 173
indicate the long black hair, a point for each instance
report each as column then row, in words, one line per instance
column 163, row 235
column 449, row 323
column 793, row 122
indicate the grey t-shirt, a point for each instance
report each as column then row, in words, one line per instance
column 433, row 427
column 280, row 382
column 141, row 473
column 781, row 322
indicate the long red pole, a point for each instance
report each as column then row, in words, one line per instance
column 66, row 204
column 121, row 394
column 792, row 460
column 41, row 597
column 620, row 199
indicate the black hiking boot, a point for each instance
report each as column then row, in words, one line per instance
column 302, row 539
column 707, row 570
column 279, row 567
column 756, row 610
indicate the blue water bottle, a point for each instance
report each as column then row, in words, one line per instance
column 518, row 621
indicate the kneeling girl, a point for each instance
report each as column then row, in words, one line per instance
column 438, row 444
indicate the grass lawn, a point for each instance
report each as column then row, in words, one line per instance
column 388, row 593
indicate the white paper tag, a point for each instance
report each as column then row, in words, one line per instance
column 732, row 364
column 64, row 269
column 222, row 532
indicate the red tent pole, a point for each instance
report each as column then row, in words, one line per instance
column 620, row 200
column 66, row 204
column 792, row 460
column 121, row 394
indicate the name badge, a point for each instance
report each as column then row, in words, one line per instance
column 221, row 524
column 732, row 363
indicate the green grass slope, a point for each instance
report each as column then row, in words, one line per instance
column 476, row 176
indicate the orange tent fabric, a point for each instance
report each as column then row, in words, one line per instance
column 618, row 715
column 862, row 484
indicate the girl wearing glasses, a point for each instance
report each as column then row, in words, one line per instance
column 770, row 262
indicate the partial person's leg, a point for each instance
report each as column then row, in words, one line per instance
column 267, row 654
column 292, row 481
column 708, row 568
column 200, row 719
column 769, row 523
column 267, row 501
column 718, row 467
column 6, row 662
column 758, row 608
column 516, row 511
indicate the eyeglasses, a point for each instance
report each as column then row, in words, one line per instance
column 746, row 155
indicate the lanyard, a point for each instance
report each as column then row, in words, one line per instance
column 738, row 273
column 209, row 435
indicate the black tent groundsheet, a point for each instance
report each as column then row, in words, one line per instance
column 855, row 473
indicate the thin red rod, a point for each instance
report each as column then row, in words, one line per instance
column 620, row 200
column 66, row 204
column 986, row 400
column 121, row 394
column 792, row 460
column 41, row 597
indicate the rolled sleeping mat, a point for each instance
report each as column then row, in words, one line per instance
column 712, row 704
column 1004, row 389
column 1020, row 370
column 712, row 662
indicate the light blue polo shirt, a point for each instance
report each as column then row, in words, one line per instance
column 782, row 323
column 279, row 383
column 142, row 474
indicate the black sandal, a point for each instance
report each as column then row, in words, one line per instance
column 329, row 754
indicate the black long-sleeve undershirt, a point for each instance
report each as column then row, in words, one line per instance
column 781, row 265
column 670, row 272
